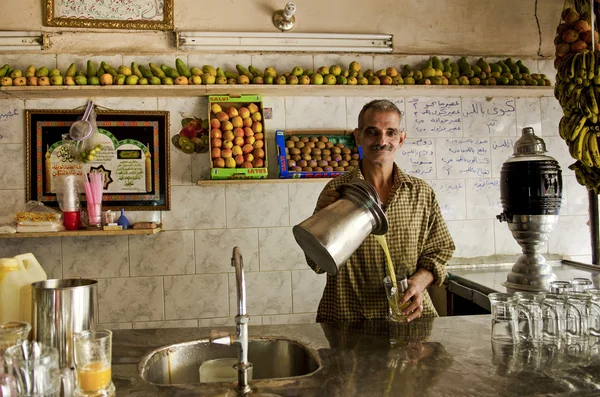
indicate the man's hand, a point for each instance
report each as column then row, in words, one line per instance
column 417, row 283
column 327, row 197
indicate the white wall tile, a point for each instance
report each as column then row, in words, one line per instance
column 12, row 173
column 489, row 117
column 416, row 157
column 214, row 249
column 130, row 299
column 114, row 326
column 463, row 158
column 430, row 117
column 266, row 293
column 472, row 237
column 223, row 321
column 504, row 240
column 502, row 150
column 307, row 290
column 577, row 202
column 196, row 296
column 249, row 206
column 12, row 201
column 528, row 114
column 483, row 198
column 558, row 149
column 279, row 250
column 571, row 236
column 12, row 121
column 45, row 249
column 303, row 199
column 194, row 207
column 169, row 252
column 278, row 114
column 165, row 324
column 546, row 66
column 95, row 257
column 315, row 113
column 450, row 194
column 551, row 113
column 23, row 60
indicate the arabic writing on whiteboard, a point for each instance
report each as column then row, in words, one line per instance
column 434, row 117
column 120, row 10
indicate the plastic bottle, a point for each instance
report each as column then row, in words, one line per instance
column 16, row 276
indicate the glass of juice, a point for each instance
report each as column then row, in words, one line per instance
column 93, row 354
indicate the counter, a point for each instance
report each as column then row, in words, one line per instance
column 445, row 356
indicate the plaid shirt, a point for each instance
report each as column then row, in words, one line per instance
column 417, row 238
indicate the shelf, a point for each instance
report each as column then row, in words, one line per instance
column 33, row 92
column 209, row 182
column 82, row 232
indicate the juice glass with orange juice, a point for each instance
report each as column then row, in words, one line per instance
column 93, row 353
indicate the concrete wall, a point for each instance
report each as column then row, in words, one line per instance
column 461, row 27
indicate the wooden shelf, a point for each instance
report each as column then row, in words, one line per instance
column 209, row 182
column 83, row 232
column 33, row 92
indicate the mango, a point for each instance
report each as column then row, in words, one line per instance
column 16, row 73
column 94, row 80
column 44, row 80
column 132, row 79
column 56, row 80
column 154, row 80
column 6, row 81
column 124, row 70
column 69, row 80
column 196, row 71
column 270, row 72
column 316, row 79
column 182, row 68
column 30, row 71
column 20, row 81
column 32, row 80
column 220, row 80
column 81, row 80
column 71, row 70
column 335, row 70
column 120, row 79
column 181, row 80
column 297, row 71
column 329, row 79
column 106, row 79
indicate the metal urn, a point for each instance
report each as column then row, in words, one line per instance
column 531, row 194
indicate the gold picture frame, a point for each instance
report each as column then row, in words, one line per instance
column 134, row 14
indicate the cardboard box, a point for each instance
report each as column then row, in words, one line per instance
column 334, row 136
column 255, row 149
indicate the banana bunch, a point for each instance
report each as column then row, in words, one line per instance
column 587, row 176
column 581, row 138
column 578, row 85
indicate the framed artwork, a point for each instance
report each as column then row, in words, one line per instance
column 122, row 14
column 132, row 152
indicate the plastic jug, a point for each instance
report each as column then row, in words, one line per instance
column 16, row 276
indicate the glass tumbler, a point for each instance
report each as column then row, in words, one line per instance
column 577, row 304
column 594, row 311
column 560, row 287
column 504, row 317
column 93, row 354
column 581, row 284
column 553, row 317
column 529, row 312
column 394, row 297
column 12, row 334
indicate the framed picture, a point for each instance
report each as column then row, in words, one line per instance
column 124, row 14
column 131, row 148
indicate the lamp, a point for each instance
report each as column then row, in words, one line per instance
column 284, row 42
column 284, row 20
column 21, row 41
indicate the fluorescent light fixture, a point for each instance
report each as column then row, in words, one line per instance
column 284, row 42
column 21, row 41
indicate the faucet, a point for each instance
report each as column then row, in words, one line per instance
column 241, row 336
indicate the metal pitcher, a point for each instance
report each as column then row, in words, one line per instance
column 62, row 307
column 331, row 236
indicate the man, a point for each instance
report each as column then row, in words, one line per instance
column 418, row 239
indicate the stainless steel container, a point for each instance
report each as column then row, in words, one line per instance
column 331, row 236
column 62, row 307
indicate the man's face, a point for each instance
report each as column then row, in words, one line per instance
column 381, row 136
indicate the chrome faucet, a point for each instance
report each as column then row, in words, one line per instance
column 241, row 320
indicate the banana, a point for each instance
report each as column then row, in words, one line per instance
column 591, row 66
column 580, row 177
column 581, row 139
column 562, row 127
column 593, row 148
column 578, row 128
column 586, row 157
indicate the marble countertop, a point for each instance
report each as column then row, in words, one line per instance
column 490, row 278
column 445, row 356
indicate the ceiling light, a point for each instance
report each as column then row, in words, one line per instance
column 284, row 20
column 21, row 41
column 284, row 42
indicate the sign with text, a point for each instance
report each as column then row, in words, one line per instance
column 130, row 148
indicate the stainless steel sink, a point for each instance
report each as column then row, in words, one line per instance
column 271, row 358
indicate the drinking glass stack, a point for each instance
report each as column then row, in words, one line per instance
column 68, row 200
column 93, row 196
column 564, row 322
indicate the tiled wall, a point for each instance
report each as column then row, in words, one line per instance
column 182, row 276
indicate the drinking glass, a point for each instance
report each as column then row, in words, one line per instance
column 504, row 317
column 581, row 284
column 394, row 297
column 560, row 287
column 12, row 334
column 594, row 311
column 553, row 317
column 529, row 314
column 93, row 354
column 35, row 372
column 577, row 304
column 94, row 214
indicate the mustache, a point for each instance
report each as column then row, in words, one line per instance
column 375, row 147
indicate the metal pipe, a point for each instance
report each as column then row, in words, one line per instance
column 241, row 337
column 594, row 227
column 583, row 266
